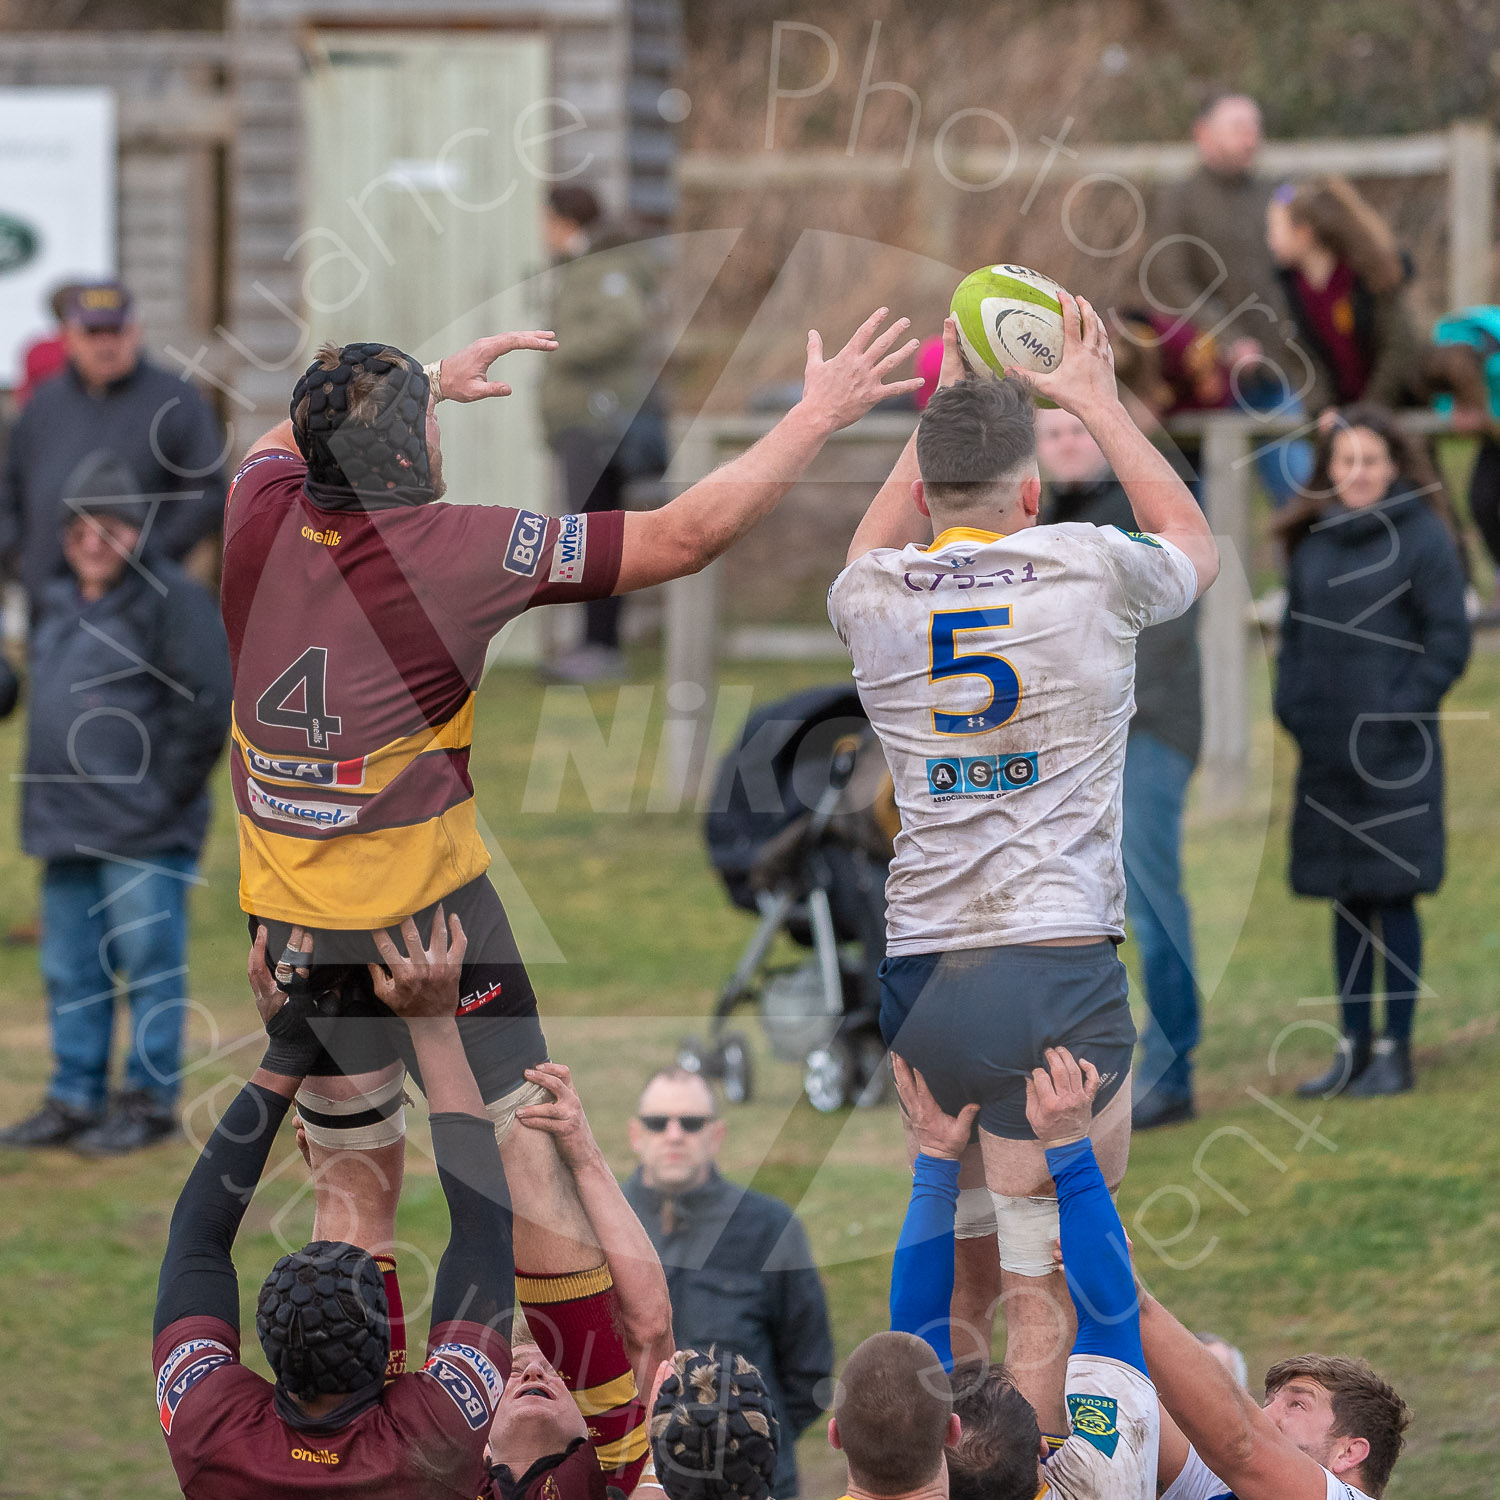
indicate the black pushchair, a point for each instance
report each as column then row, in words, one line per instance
column 801, row 831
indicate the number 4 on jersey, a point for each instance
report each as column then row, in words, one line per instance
column 1005, row 683
column 275, row 706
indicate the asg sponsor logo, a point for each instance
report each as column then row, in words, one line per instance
column 309, row 814
column 307, row 772
column 568, row 555
column 524, row 550
column 979, row 775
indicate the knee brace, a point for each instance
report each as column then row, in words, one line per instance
column 502, row 1111
column 1027, row 1229
column 363, row 1123
column 975, row 1219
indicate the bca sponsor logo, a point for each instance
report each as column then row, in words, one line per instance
column 524, row 550
column 482, row 1368
column 328, row 815
column 464, row 1386
column 186, row 1366
column 569, row 553
column 307, row 772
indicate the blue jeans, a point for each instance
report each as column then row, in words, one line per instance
column 104, row 919
column 1284, row 463
column 1156, row 781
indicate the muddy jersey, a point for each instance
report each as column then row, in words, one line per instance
column 1198, row 1482
column 423, row 1440
column 357, row 640
column 999, row 673
column 1114, row 1430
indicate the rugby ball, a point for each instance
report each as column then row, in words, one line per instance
column 1009, row 315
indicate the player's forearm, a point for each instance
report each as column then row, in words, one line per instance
column 279, row 438
column 1161, row 502
column 634, row 1266
column 476, row 1276
column 893, row 519
column 1214, row 1413
column 922, row 1271
column 449, row 1080
column 708, row 519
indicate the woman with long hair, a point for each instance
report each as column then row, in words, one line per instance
column 1344, row 280
column 1374, row 636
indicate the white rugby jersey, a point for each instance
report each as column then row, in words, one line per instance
column 999, row 673
column 1115, row 1422
column 1198, row 1482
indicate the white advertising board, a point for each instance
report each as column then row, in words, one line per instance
column 57, row 205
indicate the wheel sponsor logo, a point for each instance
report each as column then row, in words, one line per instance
column 571, row 550
column 322, row 815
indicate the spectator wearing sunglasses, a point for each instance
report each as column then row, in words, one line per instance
column 739, row 1269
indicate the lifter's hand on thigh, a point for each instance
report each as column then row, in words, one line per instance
column 422, row 982
column 1060, row 1098
column 938, row 1134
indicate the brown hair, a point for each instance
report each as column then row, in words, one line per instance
column 364, row 405
column 1345, row 223
column 1364, row 1406
column 574, row 202
column 892, row 1406
column 1415, row 474
column 998, row 1450
column 973, row 434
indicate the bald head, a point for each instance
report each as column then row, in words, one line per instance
column 893, row 1415
column 1228, row 134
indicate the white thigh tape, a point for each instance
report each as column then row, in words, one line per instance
column 976, row 1214
column 1027, row 1229
column 363, row 1123
column 502, row 1111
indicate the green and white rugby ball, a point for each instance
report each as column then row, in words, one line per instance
column 1009, row 316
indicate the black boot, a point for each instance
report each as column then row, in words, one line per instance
column 134, row 1120
column 1390, row 1070
column 1349, row 1063
column 54, row 1124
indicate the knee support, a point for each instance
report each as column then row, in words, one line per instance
column 975, row 1219
column 364, row 1122
column 1027, row 1230
column 502, row 1111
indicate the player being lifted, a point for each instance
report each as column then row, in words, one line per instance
column 359, row 609
column 997, row 665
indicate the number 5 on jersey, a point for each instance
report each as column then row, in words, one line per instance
column 947, row 661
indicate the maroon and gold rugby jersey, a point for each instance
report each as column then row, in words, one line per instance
column 357, row 640
column 424, row 1440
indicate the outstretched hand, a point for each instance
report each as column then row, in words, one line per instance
column 938, row 1134
column 1060, row 1098
column 422, row 982
column 841, row 390
column 465, row 375
column 1084, row 378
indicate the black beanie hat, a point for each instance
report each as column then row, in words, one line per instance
column 364, row 464
column 714, row 1432
column 323, row 1320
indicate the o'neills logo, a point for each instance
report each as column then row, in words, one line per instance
column 315, row 1455
column 328, row 815
column 328, row 538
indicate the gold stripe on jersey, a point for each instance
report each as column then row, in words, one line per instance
column 623, row 1450
column 373, row 878
column 964, row 534
column 381, row 766
column 594, row 1399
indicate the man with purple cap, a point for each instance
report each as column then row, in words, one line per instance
column 110, row 401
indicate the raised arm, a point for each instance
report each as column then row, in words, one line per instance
column 1084, row 384
column 1233, row 1436
column 1101, row 1282
column 635, row 1269
column 476, row 1276
column 197, row 1273
column 922, row 1272
column 706, row 520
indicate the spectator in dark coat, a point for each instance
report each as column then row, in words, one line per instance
column 1344, row 280
column 110, row 402
column 1374, row 636
column 738, row 1266
column 1160, row 755
column 130, row 697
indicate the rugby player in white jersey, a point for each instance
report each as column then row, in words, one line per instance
column 997, row 666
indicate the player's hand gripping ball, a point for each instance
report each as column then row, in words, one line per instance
column 1009, row 316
